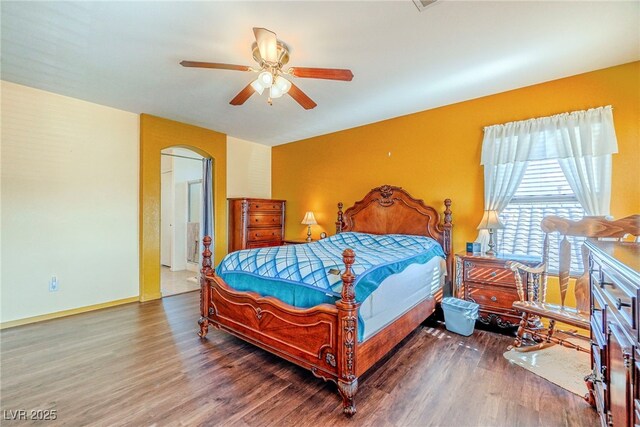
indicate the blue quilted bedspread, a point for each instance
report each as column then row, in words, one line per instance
column 309, row 265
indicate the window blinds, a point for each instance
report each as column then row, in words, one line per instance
column 544, row 191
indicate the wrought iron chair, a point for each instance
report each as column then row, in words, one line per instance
column 533, row 304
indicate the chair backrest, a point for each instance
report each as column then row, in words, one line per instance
column 589, row 227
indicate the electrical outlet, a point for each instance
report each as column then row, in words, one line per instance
column 53, row 284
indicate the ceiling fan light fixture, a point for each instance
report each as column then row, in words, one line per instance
column 283, row 84
column 271, row 55
column 266, row 79
column 257, row 86
column 275, row 92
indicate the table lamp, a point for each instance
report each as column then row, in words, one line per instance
column 309, row 220
column 490, row 221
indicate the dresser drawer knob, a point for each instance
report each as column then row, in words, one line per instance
column 620, row 304
column 493, row 274
column 494, row 299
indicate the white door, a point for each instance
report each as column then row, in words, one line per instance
column 166, row 217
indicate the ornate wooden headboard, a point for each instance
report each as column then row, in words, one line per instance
column 391, row 210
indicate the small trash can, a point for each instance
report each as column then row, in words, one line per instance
column 460, row 315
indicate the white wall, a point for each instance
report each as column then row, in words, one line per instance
column 248, row 169
column 182, row 171
column 185, row 169
column 69, row 197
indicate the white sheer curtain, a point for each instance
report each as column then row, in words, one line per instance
column 587, row 142
column 590, row 180
column 504, row 167
column 582, row 141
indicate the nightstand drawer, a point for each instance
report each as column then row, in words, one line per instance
column 295, row 242
column 265, row 206
column 264, row 220
column 491, row 296
column 258, row 235
column 489, row 274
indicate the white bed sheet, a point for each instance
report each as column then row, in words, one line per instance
column 400, row 292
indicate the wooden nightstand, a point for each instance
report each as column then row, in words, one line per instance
column 295, row 241
column 488, row 282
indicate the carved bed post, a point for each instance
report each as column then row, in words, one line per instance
column 347, row 336
column 447, row 244
column 204, row 288
column 339, row 221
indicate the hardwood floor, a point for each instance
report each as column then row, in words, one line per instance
column 142, row 364
column 178, row 282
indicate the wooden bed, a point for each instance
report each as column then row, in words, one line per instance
column 323, row 338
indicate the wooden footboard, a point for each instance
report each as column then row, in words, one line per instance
column 304, row 337
column 322, row 339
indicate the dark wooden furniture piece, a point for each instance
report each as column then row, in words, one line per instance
column 323, row 338
column 295, row 241
column 533, row 295
column 255, row 223
column 488, row 281
column 614, row 272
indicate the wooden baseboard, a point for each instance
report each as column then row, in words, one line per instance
column 150, row 296
column 65, row 313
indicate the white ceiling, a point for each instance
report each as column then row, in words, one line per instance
column 126, row 54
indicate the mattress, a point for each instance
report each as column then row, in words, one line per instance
column 400, row 292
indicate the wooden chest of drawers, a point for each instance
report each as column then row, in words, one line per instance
column 488, row 282
column 614, row 271
column 255, row 223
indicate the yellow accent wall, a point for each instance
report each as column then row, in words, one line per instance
column 435, row 154
column 157, row 134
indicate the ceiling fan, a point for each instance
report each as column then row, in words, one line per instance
column 272, row 55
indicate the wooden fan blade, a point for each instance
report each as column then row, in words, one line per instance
column 243, row 95
column 322, row 73
column 215, row 65
column 267, row 44
column 301, row 97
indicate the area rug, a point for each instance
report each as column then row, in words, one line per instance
column 562, row 366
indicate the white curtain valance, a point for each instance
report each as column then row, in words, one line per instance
column 577, row 134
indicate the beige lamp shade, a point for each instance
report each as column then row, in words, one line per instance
column 309, row 219
column 490, row 221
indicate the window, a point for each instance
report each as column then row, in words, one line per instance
column 544, row 191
